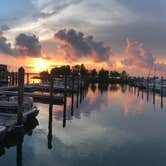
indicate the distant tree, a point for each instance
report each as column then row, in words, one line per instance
column 44, row 76
column 93, row 73
column 114, row 74
column 103, row 76
column 59, row 71
column 124, row 75
column 80, row 70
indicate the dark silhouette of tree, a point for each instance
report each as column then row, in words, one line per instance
column 115, row 74
column 93, row 73
column 60, row 71
column 103, row 76
column 44, row 76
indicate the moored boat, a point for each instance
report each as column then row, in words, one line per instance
column 9, row 107
column 2, row 132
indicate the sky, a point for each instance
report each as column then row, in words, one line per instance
column 113, row 34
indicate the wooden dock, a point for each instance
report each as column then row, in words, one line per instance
column 56, row 99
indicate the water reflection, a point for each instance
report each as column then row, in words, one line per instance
column 50, row 127
column 15, row 139
column 113, row 123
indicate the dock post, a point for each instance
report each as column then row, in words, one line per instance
column 27, row 78
column 147, row 90
column 161, row 93
column 51, row 87
column 65, row 100
column 154, row 89
column 12, row 78
column 72, row 97
column 20, row 96
column 16, row 79
column 78, row 88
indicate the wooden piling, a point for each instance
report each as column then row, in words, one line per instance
column 27, row 78
column 65, row 100
column 20, row 96
column 147, row 90
column 72, row 97
column 81, row 89
column 154, row 89
column 161, row 92
column 78, row 89
column 51, row 87
column 16, row 78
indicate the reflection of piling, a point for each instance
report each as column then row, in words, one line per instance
column 138, row 92
column 19, row 154
column 142, row 95
column 20, row 96
column 50, row 127
column 72, row 97
column 134, row 91
column 65, row 100
column 161, row 92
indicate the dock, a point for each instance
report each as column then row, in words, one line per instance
column 57, row 99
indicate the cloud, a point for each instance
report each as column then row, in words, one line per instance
column 51, row 7
column 4, row 28
column 28, row 45
column 79, row 45
column 137, row 55
column 5, row 47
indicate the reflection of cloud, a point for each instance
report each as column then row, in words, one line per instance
column 132, row 104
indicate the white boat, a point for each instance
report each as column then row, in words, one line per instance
column 9, row 107
column 2, row 132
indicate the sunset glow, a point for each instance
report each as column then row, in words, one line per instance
column 40, row 65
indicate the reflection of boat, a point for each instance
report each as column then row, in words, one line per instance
column 14, row 138
column 9, row 107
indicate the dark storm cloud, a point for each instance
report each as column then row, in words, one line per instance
column 83, row 45
column 28, row 45
column 25, row 45
column 5, row 47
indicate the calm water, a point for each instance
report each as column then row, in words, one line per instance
column 113, row 127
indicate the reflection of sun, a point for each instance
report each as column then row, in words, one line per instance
column 41, row 65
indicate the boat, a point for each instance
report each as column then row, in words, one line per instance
column 2, row 132
column 9, row 107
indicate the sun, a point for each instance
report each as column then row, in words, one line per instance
column 41, row 65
